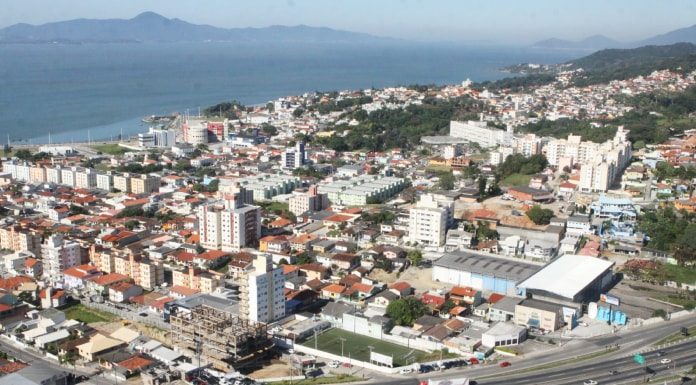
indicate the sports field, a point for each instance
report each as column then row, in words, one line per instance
column 357, row 346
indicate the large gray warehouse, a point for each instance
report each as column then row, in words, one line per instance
column 482, row 271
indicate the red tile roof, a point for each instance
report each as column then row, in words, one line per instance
column 13, row 283
column 212, row 255
column 135, row 363
column 463, row 291
column 108, row 279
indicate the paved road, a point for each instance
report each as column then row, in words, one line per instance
column 634, row 340
column 29, row 356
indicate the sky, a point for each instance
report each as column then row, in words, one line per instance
column 498, row 21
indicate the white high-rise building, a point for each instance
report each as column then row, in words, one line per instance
column 606, row 164
column 85, row 178
column 479, row 132
column 295, row 157
column 261, row 291
column 428, row 221
column 229, row 225
column 58, row 255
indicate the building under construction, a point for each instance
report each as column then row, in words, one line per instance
column 219, row 337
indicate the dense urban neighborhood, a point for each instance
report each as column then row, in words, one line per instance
column 388, row 235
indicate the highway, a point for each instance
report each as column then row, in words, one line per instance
column 634, row 340
column 682, row 355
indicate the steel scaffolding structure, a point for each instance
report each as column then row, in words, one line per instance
column 219, row 337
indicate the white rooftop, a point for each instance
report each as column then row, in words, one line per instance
column 567, row 275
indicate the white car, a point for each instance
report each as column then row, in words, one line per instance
column 590, row 382
column 334, row 364
column 405, row 371
column 665, row 361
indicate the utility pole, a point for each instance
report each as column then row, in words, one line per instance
column 342, row 341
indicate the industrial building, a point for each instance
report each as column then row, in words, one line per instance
column 218, row 337
column 482, row 271
column 569, row 279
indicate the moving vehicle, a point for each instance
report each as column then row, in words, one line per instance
column 505, row 364
column 451, row 381
column 590, row 382
column 613, row 372
column 665, row 361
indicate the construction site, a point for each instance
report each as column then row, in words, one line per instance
column 219, row 338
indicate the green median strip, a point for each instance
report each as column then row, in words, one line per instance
column 341, row 378
column 554, row 364
column 676, row 337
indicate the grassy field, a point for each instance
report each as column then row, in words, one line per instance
column 341, row 378
column 676, row 337
column 686, row 300
column 516, row 180
column 679, row 273
column 111, row 149
column 357, row 346
column 84, row 314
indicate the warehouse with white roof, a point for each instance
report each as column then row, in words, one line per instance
column 569, row 279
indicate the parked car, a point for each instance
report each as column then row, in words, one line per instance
column 405, row 371
column 334, row 364
column 505, row 364
column 473, row 361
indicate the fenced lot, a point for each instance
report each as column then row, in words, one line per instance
column 357, row 346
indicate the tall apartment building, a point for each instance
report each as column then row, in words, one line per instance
column 37, row 174
column 105, row 181
column 261, row 291
column 145, row 184
column 598, row 173
column 479, row 132
column 229, row 224
column 307, row 200
column 196, row 279
column 528, row 145
column 16, row 239
column 122, row 183
column 67, row 176
column 57, row 255
column 295, row 157
column 428, row 221
column 144, row 272
column 85, row 178
column 54, row 174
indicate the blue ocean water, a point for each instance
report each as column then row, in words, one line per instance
column 70, row 90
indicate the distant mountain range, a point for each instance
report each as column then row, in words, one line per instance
column 596, row 42
column 152, row 27
column 593, row 42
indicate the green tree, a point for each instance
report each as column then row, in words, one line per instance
column 75, row 210
column 482, row 186
column 303, row 258
column 446, row 180
column 447, row 306
column 539, row 215
column 405, row 311
column 298, row 112
column 6, row 150
column 415, row 256
column 685, row 246
column 23, row 154
column 131, row 212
